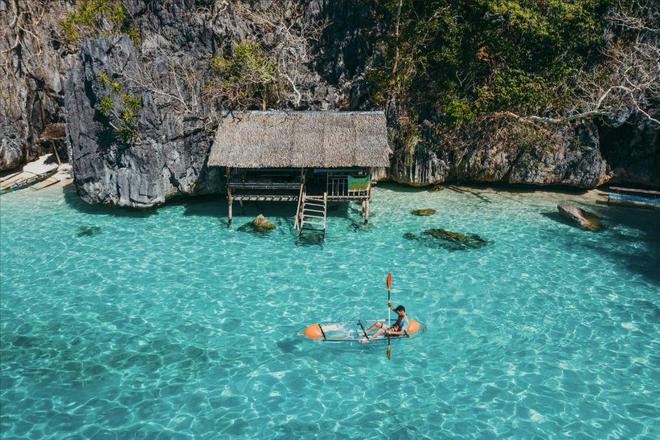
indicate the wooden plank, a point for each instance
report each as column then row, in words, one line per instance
column 267, row 198
column 632, row 200
column 46, row 183
column 632, row 190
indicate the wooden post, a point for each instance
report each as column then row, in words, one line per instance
column 230, row 206
column 366, row 211
column 57, row 156
column 229, row 199
column 325, row 209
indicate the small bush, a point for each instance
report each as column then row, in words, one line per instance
column 92, row 17
column 247, row 78
column 119, row 107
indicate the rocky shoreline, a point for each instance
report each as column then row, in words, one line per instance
column 167, row 154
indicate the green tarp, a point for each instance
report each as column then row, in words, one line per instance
column 358, row 183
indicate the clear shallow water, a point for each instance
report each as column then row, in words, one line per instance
column 169, row 322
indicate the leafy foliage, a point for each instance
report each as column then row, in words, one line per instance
column 94, row 17
column 247, row 78
column 119, row 107
column 455, row 60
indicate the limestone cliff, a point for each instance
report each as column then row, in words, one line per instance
column 159, row 149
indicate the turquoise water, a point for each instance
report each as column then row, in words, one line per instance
column 120, row 324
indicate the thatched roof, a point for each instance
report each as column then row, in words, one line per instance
column 301, row 140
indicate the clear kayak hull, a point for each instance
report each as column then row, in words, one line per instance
column 357, row 331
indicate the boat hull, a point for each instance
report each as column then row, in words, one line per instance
column 356, row 332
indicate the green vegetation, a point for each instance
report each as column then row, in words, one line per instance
column 119, row 107
column 94, row 17
column 247, row 78
column 452, row 61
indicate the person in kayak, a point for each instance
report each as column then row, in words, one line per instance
column 396, row 329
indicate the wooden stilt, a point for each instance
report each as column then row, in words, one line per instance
column 229, row 198
column 57, row 156
column 366, row 211
column 230, row 206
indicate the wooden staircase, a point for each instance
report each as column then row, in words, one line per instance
column 312, row 213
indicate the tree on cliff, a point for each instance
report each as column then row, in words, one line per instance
column 539, row 62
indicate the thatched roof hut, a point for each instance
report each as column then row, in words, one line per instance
column 277, row 139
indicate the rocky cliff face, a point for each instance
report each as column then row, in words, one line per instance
column 168, row 135
column 567, row 156
column 33, row 69
column 175, row 122
column 166, row 158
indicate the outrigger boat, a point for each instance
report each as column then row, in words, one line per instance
column 356, row 331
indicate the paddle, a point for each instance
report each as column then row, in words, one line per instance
column 389, row 283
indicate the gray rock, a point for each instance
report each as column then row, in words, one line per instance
column 32, row 81
column 168, row 157
column 571, row 157
column 584, row 219
column 423, row 212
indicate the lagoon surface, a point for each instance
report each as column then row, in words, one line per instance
column 167, row 323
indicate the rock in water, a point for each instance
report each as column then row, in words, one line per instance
column 450, row 240
column 423, row 211
column 445, row 234
column 88, row 231
column 410, row 236
column 585, row 219
column 259, row 224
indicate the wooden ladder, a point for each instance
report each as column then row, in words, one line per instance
column 312, row 213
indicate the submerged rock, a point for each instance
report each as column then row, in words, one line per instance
column 259, row 224
column 445, row 234
column 423, row 212
column 450, row 240
column 584, row 219
column 310, row 238
column 88, row 231
column 410, row 236
column 361, row 226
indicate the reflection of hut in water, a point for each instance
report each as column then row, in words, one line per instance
column 310, row 158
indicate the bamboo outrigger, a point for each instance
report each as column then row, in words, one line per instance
column 633, row 197
column 32, row 173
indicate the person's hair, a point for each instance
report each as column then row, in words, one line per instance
column 400, row 309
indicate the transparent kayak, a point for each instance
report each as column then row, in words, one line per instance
column 356, row 331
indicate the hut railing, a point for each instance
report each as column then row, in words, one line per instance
column 337, row 188
column 264, row 185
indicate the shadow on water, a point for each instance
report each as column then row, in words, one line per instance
column 216, row 206
column 624, row 229
column 73, row 200
column 644, row 260
column 310, row 239
column 207, row 206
